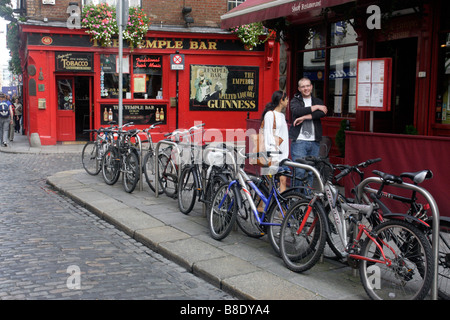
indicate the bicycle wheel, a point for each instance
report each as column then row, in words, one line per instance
column 222, row 214
column 444, row 259
column 111, row 166
column 149, row 169
column 187, row 190
column 130, row 174
column 274, row 216
column 245, row 217
column 90, row 158
column 301, row 249
column 168, row 177
column 410, row 271
column 214, row 182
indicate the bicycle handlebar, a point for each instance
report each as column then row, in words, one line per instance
column 349, row 169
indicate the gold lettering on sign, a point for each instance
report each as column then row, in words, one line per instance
column 167, row 44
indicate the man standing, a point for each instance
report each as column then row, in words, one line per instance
column 6, row 119
column 306, row 129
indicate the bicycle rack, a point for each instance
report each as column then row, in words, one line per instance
column 309, row 168
column 141, row 185
column 435, row 214
column 170, row 143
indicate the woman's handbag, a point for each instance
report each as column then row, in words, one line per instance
column 259, row 145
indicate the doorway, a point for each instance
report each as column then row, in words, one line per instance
column 404, row 59
column 83, row 109
column 74, row 110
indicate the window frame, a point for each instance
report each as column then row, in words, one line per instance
column 322, row 53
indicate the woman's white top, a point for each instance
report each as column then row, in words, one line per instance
column 281, row 131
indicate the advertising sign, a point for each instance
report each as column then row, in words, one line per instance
column 224, row 88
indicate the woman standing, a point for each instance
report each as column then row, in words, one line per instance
column 275, row 111
column 18, row 117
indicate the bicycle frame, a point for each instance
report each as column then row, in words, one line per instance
column 363, row 229
column 266, row 200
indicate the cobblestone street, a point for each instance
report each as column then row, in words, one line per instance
column 45, row 237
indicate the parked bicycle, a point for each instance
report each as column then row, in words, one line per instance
column 394, row 257
column 92, row 153
column 201, row 178
column 122, row 157
column 418, row 212
column 148, row 163
column 238, row 201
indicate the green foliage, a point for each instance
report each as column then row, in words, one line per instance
column 340, row 136
column 100, row 22
column 410, row 129
column 252, row 34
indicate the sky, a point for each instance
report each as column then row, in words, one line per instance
column 4, row 54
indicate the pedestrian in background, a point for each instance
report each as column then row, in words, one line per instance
column 18, row 117
column 12, row 124
column 6, row 119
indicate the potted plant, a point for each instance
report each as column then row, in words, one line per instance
column 340, row 136
column 253, row 34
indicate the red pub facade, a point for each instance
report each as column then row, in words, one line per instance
column 179, row 75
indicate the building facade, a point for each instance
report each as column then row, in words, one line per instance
column 325, row 39
column 186, row 70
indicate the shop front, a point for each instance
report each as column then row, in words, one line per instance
column 175, row 78
column 325, row 39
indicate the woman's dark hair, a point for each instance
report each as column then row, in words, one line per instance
column 277, row 96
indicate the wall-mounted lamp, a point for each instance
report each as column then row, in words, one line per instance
column 187, row 18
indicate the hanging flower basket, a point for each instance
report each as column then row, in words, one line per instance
column 253, row 34
column 100, row 22
column 137, row 27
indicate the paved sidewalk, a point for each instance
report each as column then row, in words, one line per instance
column 245, row 267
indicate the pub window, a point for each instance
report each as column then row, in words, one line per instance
column 234, row 3
column 147, row 77
column 443, row 98
column 327, row 56
column 109, row 77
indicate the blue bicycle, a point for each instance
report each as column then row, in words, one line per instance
column 239, row 200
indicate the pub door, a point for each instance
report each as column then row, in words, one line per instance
column 65, row 113
column 74, row 96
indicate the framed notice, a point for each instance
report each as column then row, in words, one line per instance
column 373, row 84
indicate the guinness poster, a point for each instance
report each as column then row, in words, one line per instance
column 224, row 88
column 74, row 61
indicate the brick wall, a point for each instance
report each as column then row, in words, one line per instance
column 206, row 13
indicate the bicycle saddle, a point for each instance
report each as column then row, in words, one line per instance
column 389, row 178
column 418, row 177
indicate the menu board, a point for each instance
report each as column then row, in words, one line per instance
column 373, row 87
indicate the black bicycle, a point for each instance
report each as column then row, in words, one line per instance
column 201, row 178
column 93, row 151
column 122, row 157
